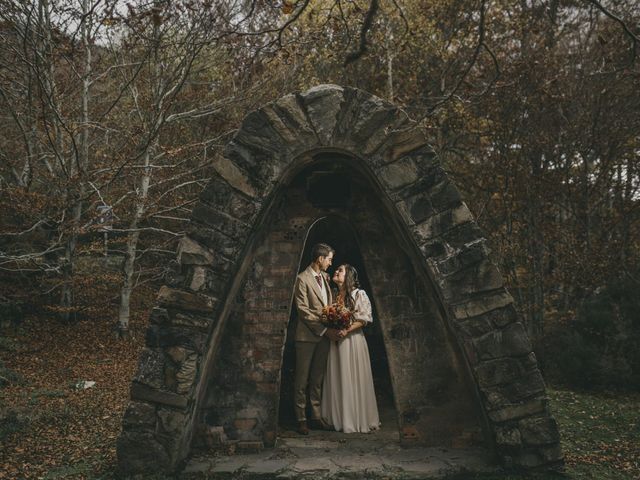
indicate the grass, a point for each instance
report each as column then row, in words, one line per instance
column 79, row 469
column 12, row 422
column 600, row 434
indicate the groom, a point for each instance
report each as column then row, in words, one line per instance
column 312, row 292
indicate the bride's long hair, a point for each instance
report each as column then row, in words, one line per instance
column 350, row 283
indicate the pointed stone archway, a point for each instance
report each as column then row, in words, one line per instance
column 459, row 299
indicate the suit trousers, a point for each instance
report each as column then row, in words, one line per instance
column 311, row 364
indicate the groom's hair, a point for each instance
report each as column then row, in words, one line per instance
column 320, row 250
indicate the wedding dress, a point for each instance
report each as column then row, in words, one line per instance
column 348, row 398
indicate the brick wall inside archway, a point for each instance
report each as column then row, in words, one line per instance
column 434, row 400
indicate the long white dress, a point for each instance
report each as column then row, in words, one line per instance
column 348, row 398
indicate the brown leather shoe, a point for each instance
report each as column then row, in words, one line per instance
column 302, row 428
column 320, row 424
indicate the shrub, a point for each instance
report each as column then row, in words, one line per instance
column 601, row 347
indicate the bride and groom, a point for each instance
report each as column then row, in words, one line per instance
column 333, row 363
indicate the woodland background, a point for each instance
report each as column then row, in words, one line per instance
column 113, row 115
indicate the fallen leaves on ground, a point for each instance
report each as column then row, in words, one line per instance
column 51, row 428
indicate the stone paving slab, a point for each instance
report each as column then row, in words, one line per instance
column 300, row 460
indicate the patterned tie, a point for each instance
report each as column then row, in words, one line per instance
column 319, row 281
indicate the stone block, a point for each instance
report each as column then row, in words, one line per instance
column 374, row 147
column 258, row 133
column 372, row 115
column 261, row 166
column 524, row 388
column 402, row 142
column 278, row 124
column 508, row 436
column 539, row 430
column 197, row 279
column 186, row 375
column 140, row 452
column 418, row 207
column 196, row 302
column 218, row 242
column 145, row 393
column 233, row 175
column 499, row 371
column 189, row 320
column 475, row 326
column 403, row 211
column 293, row 117
column 515, row 340
column 456, row 238
column 344, row 134
column 552, row 454
column 220, row 221
column 445, row 196
column 502, row 317
column 159, row 316
column 512, row 341
column 191, row 252
column 469, row 255
column 215, row 282
column 430, row 174
column 150, row 368
column 484, row 304
column 323, row 103
column 433, row 249
column 217, row 192
column 170, row 422
column 247, row 446
column 426, row 160
column 139, row 416
column 177, row 354
column 161, row 336
column 173, row 275
column 442, row 222
column 398, row 174
column 482, row 277
column 528, row 459
column 519, row 410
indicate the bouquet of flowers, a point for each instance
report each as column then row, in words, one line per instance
column 336, row 316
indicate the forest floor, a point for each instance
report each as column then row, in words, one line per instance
column 52, row 428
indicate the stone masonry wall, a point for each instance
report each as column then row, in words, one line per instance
column 441, row 240
column 434, row 404
column 243, row 390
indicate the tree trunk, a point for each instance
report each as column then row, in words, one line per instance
column 535, row 325
column 389, row 46
column 78, row 192
column 122, row 327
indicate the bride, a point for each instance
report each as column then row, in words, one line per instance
column 348, row 399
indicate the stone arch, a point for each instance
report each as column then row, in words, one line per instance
column 434, row 228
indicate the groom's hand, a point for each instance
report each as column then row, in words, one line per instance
column 333, row 334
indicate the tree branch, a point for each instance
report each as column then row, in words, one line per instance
column 366, row 26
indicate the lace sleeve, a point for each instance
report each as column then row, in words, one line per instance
column 362, row 311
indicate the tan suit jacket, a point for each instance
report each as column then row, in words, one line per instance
column 309, row 303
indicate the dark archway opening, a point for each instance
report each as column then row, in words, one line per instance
column 338, row 233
